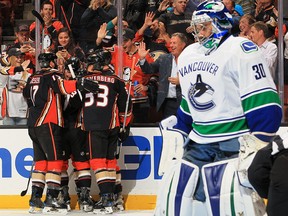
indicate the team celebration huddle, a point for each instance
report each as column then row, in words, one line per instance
column 204, row 72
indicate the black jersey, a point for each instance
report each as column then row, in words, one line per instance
column 43, row 92
column 106, row 109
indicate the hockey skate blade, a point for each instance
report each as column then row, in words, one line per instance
column 51, row 210
column 68, row 207
column 103, row 211
column 86, row 208
column 35, row 210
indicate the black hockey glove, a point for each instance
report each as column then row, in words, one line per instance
column 124, row 134
column 87, row 85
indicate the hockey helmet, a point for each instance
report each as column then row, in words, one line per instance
column 99, row 59
column 44, row 59
column 213, row 14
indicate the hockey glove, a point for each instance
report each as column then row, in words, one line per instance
column 87, row 85
column 124, row 133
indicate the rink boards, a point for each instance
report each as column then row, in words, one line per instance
column 139, row 161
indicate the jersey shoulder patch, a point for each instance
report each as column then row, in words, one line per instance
column 248, row 46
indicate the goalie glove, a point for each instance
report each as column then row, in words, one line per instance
column 87, row 85
column 249, row 145
column 124, row 133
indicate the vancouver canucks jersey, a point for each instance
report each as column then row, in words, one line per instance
column 227, row 93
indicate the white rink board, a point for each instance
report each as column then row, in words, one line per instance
column 136, row 161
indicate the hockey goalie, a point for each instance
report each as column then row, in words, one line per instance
column 230, row 109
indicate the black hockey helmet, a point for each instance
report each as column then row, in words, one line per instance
column 74, row 62
column 99, row 59
column 44, row 59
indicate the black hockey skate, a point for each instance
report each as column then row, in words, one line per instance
column 119, row 202
column 35, row 202
column 105, row 204
column 85, row 201
column 54, row 206
column 66, row 197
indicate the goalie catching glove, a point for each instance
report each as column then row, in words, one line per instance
column 87, row 85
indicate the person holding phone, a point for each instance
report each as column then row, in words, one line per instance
column 65, row 48
column 23, row 43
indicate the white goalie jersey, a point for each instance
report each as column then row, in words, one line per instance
column 225, row 91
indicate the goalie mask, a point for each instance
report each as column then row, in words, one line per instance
column 44, row 59
column 210, row 22
column 99, row 59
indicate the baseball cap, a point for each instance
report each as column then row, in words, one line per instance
column 128, row 34
column 22, row 28
column 15, row 52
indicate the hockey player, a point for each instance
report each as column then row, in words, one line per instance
column 43, row 93
column 227, row 95
column 103, row 116
column 74, row 140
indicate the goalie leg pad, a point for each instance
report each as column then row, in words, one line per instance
column 172, row 147
column 176, row 191
column 224, row 193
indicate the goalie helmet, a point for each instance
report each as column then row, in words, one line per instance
column 213, row 15
column 44, row 59
column 99, row 59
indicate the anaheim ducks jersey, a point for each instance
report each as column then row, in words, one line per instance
column 43, row 93
column 136, row 75
column 227, row 93
column 106, row 110
column 13, row 79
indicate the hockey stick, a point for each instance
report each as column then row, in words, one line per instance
column 74, row 77
column 38, row 16
column 127, row 105
column 23, row 193
column 45, row 43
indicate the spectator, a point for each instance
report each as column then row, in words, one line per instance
column 265, row 11
column 159, row 41
column 247, row 5
column 134, row 12
column 74, row 10
column 169, row 92
column 178, row 20
column 7, row 17
column 139, row 80
column 24, row 44
column 65, row 48
column 51, row 26
column 98, row 12
column 14, row 76
column 108, row 37
column 236, row 13
column 245, row 25
column 259, row 34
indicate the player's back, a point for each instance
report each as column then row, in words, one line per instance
column 43, row 91
column 101, row 111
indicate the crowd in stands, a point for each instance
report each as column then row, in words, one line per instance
column 74, row 28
